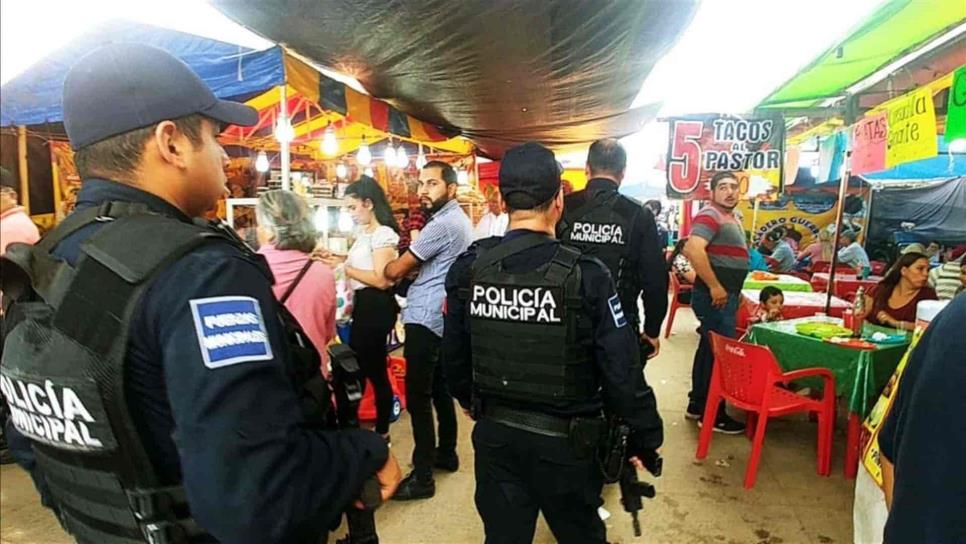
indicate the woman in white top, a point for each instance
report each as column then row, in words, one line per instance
column 374, row 308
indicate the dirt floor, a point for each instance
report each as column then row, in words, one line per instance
column 697, row 502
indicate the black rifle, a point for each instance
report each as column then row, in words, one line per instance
column 347, row 380
column 617, row 469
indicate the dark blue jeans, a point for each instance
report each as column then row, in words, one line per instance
column 719, row 320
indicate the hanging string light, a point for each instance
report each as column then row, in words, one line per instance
column 390, row 154
column 329, row 145
column 402, row 160
column 261, row 162
column 420, row 158
column 341, row 171
column 364, row 156
column 284, row 132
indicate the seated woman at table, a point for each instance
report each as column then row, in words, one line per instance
column 771, row 300
column 820, row 250
column 892, row 303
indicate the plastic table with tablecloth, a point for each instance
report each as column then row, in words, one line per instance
column 797, row 304
column 846, row 285
column 860, row 375
column 785, row 282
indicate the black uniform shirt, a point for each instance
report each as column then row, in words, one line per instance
column 616, row 351
column 646, row 259
column 230, row 430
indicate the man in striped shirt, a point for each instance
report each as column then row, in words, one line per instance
column 717, row 251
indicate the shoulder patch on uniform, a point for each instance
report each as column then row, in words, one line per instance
column 230, row 330
column 616, row 311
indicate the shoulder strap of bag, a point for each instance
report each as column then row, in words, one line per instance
column 294, row 284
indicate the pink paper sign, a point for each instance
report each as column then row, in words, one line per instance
column 869, row 144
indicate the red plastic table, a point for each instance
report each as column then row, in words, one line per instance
column 846, row 285
column 797, row 303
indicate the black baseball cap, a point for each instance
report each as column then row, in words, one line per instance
column 122, row 87
column 529, row 176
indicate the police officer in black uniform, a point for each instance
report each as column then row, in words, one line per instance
column 537, row 348
column 151, row 370
column 623, row 234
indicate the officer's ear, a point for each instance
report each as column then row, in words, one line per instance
column 171, row 144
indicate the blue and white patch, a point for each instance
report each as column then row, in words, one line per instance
column 230, row 331
column 616, row 311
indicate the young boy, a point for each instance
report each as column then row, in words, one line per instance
column 771, row 300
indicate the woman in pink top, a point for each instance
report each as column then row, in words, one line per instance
column 286, row 237
column 15, row 224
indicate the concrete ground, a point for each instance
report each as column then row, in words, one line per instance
column 697, row 502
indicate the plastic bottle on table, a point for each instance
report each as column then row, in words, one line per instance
column 858, row 311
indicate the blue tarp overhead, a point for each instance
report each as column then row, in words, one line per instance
column 942, row 166
column 34, row 97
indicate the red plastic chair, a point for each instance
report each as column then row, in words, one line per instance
column 878, row 268
column 676, row 289
column 748, row 376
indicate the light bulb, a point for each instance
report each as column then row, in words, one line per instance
column 330, row 146
column 321, row 219
column 261, row 162
column 364, row 156
column 462, row 177
column 958, row 145
column 284, row 132
column 402, row 160
column 341, row 171
column 390, row 155
column 421, row 160
column 345, row 221
column 368, row 172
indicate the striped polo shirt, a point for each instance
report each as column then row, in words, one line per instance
column 726, row 249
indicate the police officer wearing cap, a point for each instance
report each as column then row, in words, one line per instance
column 536, row 349
column 151, row 371
column 622, row 233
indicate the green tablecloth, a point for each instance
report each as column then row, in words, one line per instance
column 784, row 282
column 859, row 374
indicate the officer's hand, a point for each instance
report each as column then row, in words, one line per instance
column 649, row 461
column 389, row 477
column 719, row 297
column 655, row 342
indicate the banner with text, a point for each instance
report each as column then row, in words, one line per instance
column 912, row 128
column 869, row 139
column 956, row 108
column 701, row 145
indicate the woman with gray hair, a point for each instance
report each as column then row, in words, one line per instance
column 286, row 237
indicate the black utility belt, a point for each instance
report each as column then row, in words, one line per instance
column 546, row 425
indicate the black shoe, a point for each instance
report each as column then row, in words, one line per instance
column 692, row 412
column 450, row 462
column 412, row 488
column 725, row 424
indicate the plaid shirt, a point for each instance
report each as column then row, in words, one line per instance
column 416, row 220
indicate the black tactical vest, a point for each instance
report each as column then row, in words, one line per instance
column 602, row 228
column 524, row 328
column 63, row 375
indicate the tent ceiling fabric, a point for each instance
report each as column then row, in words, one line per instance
column 502, row 73
column 898, row 27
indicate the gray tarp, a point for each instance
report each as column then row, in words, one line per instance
column 938, row 210
column 498, row 71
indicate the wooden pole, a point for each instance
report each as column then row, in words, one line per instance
column 843, row 185
column 22, row 163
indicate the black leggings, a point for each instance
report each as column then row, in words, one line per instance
column 373, row 316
